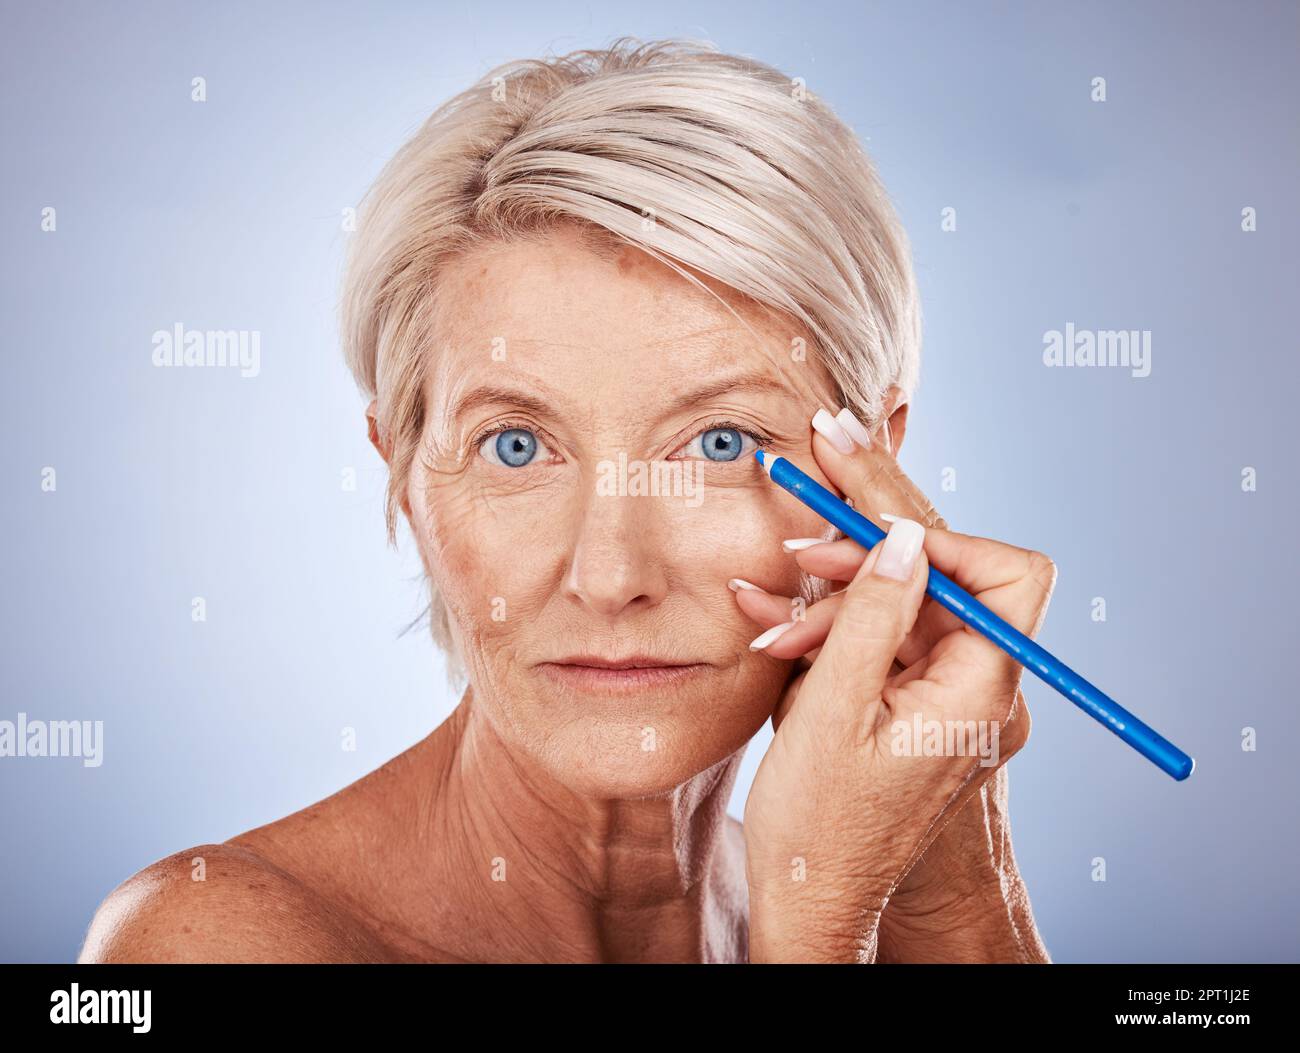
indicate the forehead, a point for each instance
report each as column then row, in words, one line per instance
column 563, row 309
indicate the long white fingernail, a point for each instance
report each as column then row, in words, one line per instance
column 889, row 517
column 826, row 424
column 854, row 427
column 899, row 550
column 736, row 584
column 798, row 544
column 770, row 636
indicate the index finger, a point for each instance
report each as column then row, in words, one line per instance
column 872, row 478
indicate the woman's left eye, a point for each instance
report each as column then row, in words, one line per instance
column 721, row 444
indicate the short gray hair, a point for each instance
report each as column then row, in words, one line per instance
column 697, row 157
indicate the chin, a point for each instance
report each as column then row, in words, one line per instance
column 627, row 742
column 633, row 773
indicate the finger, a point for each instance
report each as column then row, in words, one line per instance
column 768, row 609
column 840, row 561
column 902, row 674
column 1015, row 583
column 876, row 613
column 834, row 560
column 977, row 680
column 869, row 475
column 802, row 627
column 791, row 692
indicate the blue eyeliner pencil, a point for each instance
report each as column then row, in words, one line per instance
column 1096, row 703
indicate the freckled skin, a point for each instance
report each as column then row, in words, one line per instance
column 538, row 823
column 611, row 343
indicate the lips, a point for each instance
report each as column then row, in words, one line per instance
column 635, row 661
column 630, row 673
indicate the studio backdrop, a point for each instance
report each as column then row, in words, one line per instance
column 195, row 561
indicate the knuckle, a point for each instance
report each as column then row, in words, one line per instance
column 1042, row 570
column 1016, row 735
column 1017, row 726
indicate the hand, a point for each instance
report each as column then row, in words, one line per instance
column 832, row 792
column 964, row 900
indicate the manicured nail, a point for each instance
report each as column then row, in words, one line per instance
column 826, row 424
column 854, row 427
column 889, row 517
column 798, row 544
column 736, row 584
column 899, row 550
column 770, row 636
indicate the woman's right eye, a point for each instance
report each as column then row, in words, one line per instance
column 512, row 448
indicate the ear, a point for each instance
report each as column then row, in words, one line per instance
column 378, row 440
column 894, row 426
column 383, row 442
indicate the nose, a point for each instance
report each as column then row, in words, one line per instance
column 617, row 560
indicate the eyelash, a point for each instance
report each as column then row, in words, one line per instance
column 507, row 425
column 497, row 429
column 731, row 425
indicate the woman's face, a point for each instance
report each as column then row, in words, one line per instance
column 586, row 486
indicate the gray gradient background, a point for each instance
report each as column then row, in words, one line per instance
column 177, row 483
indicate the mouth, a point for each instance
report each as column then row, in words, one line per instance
column 634, row 673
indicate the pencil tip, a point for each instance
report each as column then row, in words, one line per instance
column 758, row 456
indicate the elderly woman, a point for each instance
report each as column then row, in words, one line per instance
column 579, row 299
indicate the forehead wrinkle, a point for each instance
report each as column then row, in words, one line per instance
column 727, row 385
column 544, row 406
column 541, row 401
column 690, row 337
column 718, row 337
column 452, row 386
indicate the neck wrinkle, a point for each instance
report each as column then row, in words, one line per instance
column 585, row 879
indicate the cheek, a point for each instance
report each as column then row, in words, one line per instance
column 738, row 534
column 497, row 563
column 488, row 566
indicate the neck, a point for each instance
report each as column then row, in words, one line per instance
column 556, row 876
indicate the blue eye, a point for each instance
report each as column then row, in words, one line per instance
column 723, row 444
column 512, row 448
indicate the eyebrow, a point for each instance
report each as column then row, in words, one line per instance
column 486, row 394
column 489, row 393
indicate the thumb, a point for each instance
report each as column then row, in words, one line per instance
column 878, row 611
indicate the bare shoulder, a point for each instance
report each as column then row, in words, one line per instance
column 220, row 903
column 323, row 884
